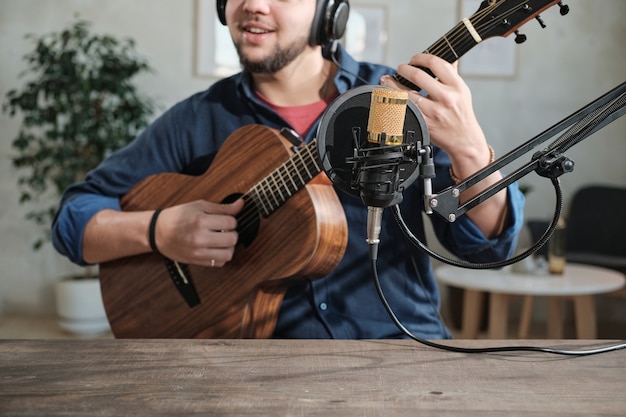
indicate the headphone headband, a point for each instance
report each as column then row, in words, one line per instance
column 329, row 23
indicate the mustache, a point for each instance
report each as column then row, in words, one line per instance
column 258, row 21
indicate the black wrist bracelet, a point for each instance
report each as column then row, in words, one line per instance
column 151, row 231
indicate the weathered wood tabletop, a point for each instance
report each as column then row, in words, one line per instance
column 304, row 378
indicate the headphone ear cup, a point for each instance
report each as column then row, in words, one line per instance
column 339, row 21
column 221, row 11
column 329, row 22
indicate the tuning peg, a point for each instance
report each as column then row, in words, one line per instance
column 520, row 37
column 540, row 20
column 564, row 8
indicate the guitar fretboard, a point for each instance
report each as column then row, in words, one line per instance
column 275, row 189
column 494, row 18
column 454, row 44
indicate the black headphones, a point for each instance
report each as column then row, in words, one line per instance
column 329, row 22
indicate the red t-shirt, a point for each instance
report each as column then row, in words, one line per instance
column 300, row 118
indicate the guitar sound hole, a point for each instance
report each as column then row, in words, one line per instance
column 248, row 219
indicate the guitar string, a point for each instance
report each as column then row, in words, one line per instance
column 307, row 162
column 501, row 18
column 460, row 31
column 446, row 43
column 264, row 188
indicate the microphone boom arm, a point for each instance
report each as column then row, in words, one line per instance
column 549, row 162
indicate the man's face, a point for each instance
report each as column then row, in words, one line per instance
column 269, row 34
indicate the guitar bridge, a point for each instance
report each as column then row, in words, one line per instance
column 179, row 273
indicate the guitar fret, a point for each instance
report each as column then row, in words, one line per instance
column 269, row 200
column 302, row 182
column 451, row 47
column 464, row 42
column 314, row 161
column 260, row 192
column 287, row 183
column 309, row 162
column 453, row 44
column 275, row 189
column 272, row 197
column 253, row 195
column 305, row 167
column 282, row 170
column 284, row 184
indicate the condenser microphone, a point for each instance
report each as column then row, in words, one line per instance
column 371, row 141
column 379, row 179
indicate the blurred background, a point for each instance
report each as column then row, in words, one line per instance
column 526, row 89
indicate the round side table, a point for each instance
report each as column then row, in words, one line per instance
column 579, row 283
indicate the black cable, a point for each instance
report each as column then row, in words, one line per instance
column 486, row 265
column 333, row 56
column 500, row 349
column 433, row 306
column 413, row 239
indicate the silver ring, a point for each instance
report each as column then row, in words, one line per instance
column 212, row 263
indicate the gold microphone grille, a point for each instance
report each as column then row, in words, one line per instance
column 387, row 114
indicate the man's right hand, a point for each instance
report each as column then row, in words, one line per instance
column 198, row 233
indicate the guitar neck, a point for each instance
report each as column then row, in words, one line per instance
column 456, row 43
column 275, row 189
column 452, row 46
column 493, row 18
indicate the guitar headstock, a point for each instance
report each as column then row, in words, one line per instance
column 503, row 17
column 493, row 18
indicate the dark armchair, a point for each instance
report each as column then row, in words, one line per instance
column 596, row 227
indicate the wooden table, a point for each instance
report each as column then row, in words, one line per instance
column 578, row 283
column 304, row 378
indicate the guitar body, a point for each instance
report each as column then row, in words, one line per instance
column 304, row 238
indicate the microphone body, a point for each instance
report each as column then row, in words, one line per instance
column 376, row 167
column 379, row 179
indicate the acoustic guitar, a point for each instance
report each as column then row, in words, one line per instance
column 292, row 225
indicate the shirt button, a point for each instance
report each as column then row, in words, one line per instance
column 323, row 306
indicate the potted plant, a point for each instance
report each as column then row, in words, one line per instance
column 78, row 105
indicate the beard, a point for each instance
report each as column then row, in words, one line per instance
column 277, row 60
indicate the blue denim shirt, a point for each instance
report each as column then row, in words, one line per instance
column 342, row 305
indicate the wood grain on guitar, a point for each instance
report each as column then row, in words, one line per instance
column 292, row 227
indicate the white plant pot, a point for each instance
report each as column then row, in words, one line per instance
column 79, row 306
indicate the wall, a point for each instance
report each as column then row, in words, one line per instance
column 561, row 68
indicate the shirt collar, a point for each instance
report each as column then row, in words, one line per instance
column 346, row 77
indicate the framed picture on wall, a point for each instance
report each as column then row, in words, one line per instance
column 215, row 55
column 493, row 57
column 366, row 33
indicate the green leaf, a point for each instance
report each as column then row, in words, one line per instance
column 78, row 104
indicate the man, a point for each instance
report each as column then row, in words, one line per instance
column 286, row 81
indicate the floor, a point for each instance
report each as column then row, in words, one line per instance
column 35, row 327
